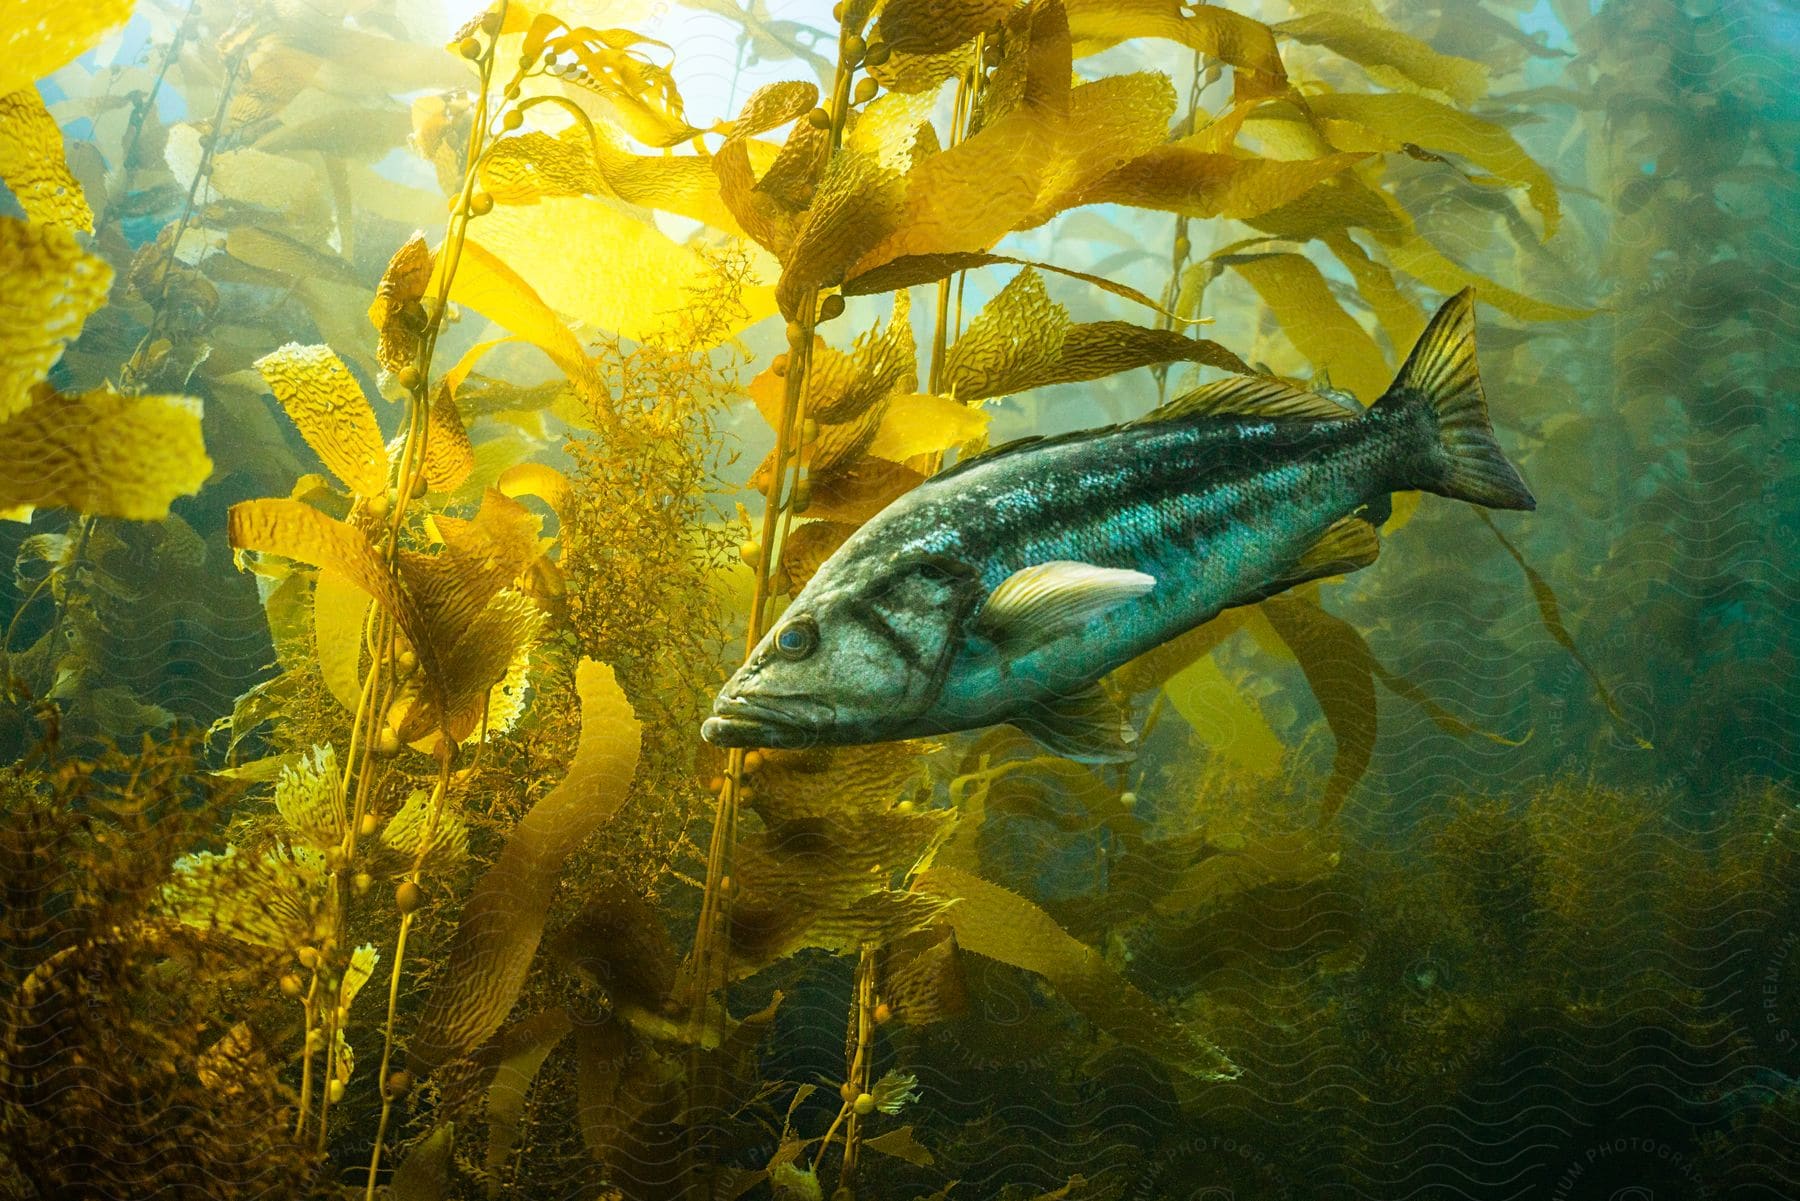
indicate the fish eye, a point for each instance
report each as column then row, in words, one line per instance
column 798, row 638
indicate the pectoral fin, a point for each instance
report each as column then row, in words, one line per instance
column 1084, row 726
column 1039, row 603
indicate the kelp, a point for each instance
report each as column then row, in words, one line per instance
column 503, row 918
column 425, row 627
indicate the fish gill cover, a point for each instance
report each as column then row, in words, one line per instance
column 407, row 422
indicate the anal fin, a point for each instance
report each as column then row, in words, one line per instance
column 1348, row 544
column 1083, row 725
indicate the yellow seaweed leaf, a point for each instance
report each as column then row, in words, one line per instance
column 32, row 163
column 48, row 286
column 920, row 423
column 1400, row 118
column 540, row 480
column 503, row 920
column 394, row 312
column 340, row 610
column 858, row 203
column 1198, row 183
column 523, row 1049
column 1392, row 57
column 591, row 261
column 102, row 453
column 1015, row 339
column 329, row 409
column 1550, row 614
column 1284, row 858
column 449, row 456
column 1052, row 151
column 1225, row 719
column 901, row 1144
column 934, row 26
column 807, row 545
column 1330, row 338
column 295, row 530
column 37, row 38
column 406, row 832
column 999, row 924
column 485, row 283
column 1096, row 25
column 1432, row 267
column 1340, row 669
column 489, row 651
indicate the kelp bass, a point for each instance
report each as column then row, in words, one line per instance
column 1004, row 588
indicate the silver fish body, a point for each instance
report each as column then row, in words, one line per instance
column 1001, row 590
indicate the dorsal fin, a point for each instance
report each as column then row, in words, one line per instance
column 1251, row 396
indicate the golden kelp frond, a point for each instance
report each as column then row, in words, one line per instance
column 866, row 487
column 306, row 796
column 921, row 978
column 533, row 165
column 1022, row 339
column 992, row 921
column 895, row 128
column 405, row 834
column 920, row 423
column 480, row 556
column 590, row 260
column 485, row 283
column 933, row 26
column 822, row 881
column 274, row 73
column 1206, row 886
column 449, row 456
column 295, row 530
column 270, row 900
column 791, row 785
column 48, row 287
column 103, row 454
column 1390, row 119
column 1215, row 31
column 773, row 105
column 356, row 974
column 920, row 74
column 1393, row 58
column 1199, row 183
column 1333, row 341
column 339, row 610
column 504, row 917
column 1340, row 669
column 808, row 545
column 859, row 203
column 31, row 163
column 640, row 95
column 329, row 409
column 1015, row 339
column 395, row 312
column 37, row 38
column 490, row 652
column 882, row 363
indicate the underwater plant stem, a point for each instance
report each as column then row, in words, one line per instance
column 439, row 790
column 202, row 173
column 862, row 1024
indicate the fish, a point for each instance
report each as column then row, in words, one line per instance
column 1004, row 588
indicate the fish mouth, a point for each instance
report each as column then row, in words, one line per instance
column 780, row 720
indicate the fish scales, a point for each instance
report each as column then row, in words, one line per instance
column 1004, row 588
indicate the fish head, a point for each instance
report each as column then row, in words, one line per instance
column 860, row 656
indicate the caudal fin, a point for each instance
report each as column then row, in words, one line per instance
column 1440, row 378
